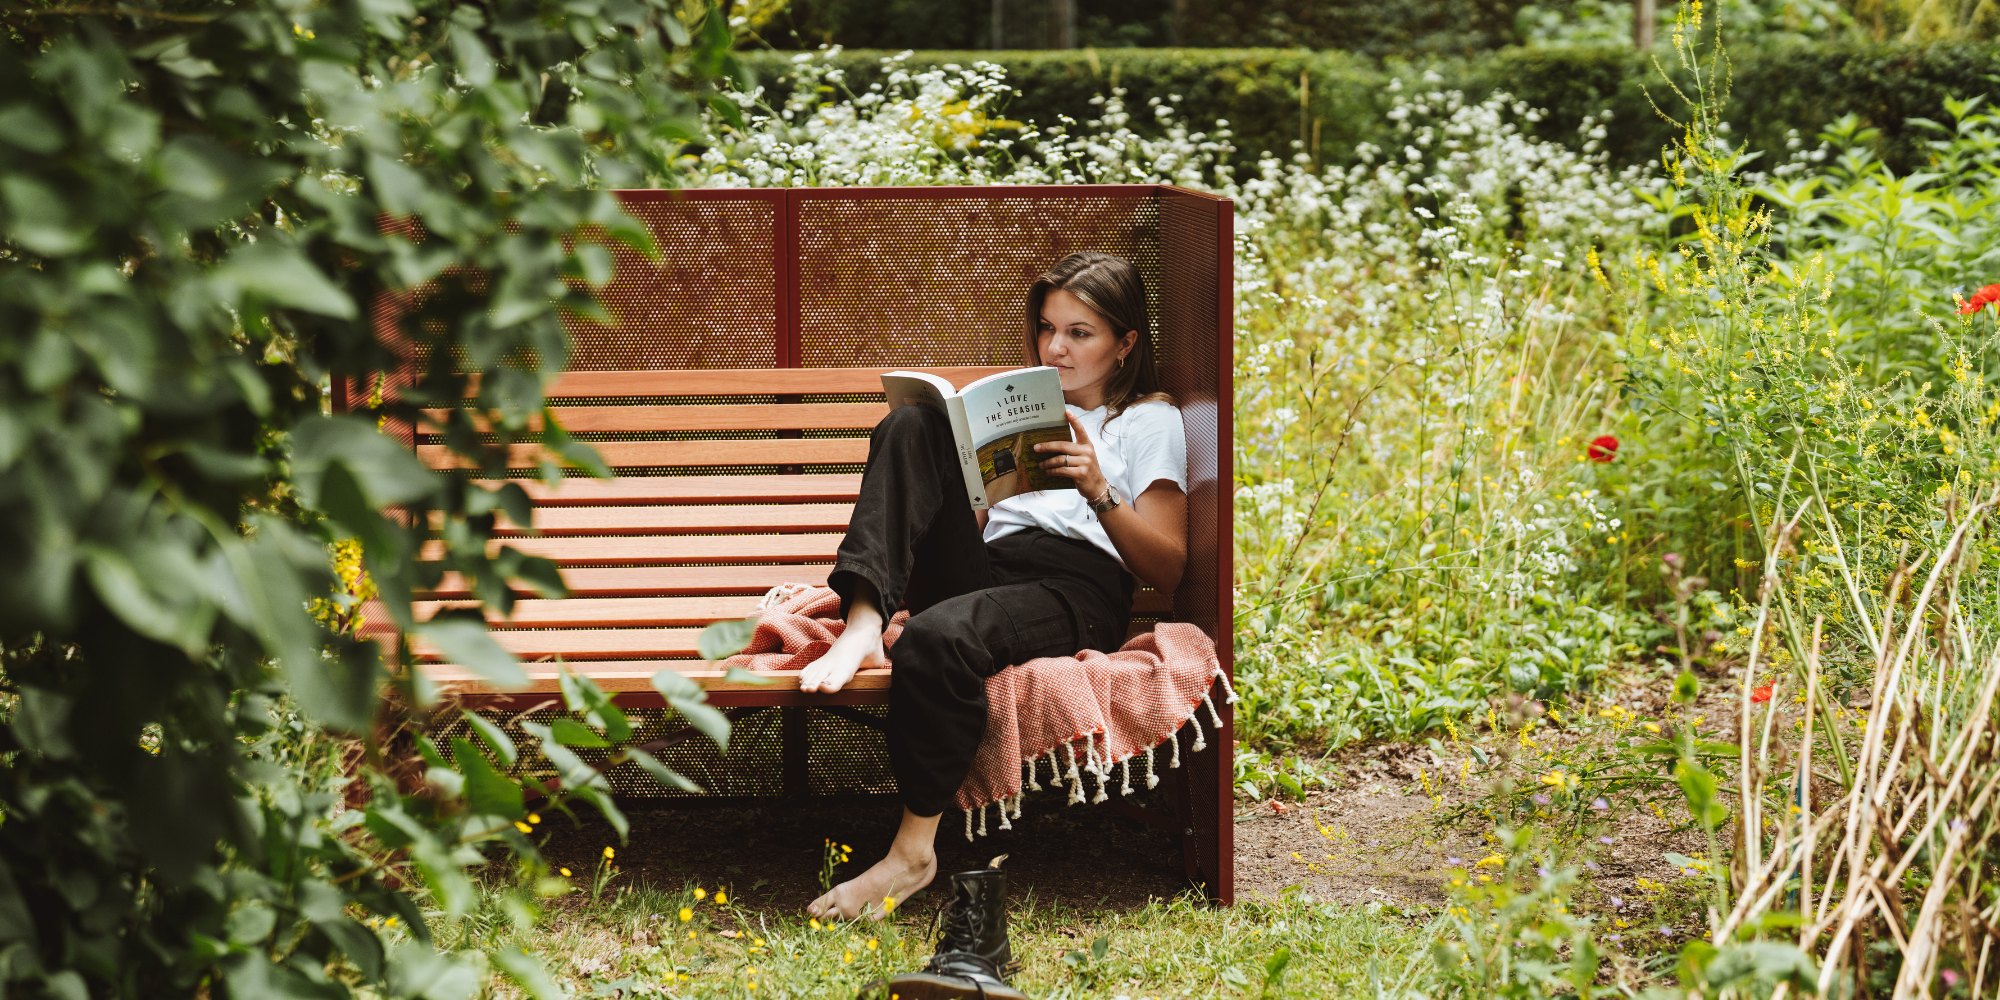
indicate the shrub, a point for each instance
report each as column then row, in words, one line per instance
column 191, row 259
column 1776, row 92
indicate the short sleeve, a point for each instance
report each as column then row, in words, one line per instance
column 1154, row 446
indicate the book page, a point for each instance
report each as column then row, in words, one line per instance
column 1009, row 414
column 923, row 388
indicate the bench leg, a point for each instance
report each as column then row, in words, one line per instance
column 797, row 751
column 1203, row 803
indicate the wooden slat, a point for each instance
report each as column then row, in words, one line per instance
column 718, row 417
column 551, row 521
column 587, row 644
column 624, row 675
column 634, row 454
column 745, row 381
column 665, row 581
column 580, row 612
column 666, row 549
column 614, row 612
column 584, row 492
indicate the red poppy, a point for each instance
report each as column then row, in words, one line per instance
column 1980, row 299
column 1603, row 449
column 1761, row 694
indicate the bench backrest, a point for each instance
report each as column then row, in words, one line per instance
column 735, row 387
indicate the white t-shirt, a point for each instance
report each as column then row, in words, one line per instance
column 1145, row 445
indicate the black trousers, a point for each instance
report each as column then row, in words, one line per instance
column 975, row 606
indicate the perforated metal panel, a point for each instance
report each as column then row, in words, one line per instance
column 846, row 757
column 1195, row 362
column 711, row 299
column 753, row 766
column 937, row 276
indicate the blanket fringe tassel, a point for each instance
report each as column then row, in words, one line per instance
column 1100, row 764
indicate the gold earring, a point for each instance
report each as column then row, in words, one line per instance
column 1121, row 362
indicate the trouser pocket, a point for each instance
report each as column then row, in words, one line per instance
column 1040, row 620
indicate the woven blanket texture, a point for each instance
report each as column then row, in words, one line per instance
column 1088, row 714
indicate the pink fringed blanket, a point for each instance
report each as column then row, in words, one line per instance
column 1088, row 714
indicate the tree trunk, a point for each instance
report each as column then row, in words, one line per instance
column 1644, row 14
column 1063, row 29
column 999, row 24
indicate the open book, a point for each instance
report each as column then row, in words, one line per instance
column 997, row 422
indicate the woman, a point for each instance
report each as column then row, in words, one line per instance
column 1040, row 574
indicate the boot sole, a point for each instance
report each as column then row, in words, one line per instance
column 927, row 986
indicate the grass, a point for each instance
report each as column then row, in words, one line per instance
column 634, row 940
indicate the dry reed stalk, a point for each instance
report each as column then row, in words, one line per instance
column 1922, row 764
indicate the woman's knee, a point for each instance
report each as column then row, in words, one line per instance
column 917, row 420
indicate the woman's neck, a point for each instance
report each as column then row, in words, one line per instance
column 1087, row 398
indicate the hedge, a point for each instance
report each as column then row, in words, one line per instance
column 1258, row 90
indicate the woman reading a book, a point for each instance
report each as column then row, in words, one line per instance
column 1046, row 573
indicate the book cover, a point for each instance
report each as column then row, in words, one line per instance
column 996, row 423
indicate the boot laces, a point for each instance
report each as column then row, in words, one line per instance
column 961, row 932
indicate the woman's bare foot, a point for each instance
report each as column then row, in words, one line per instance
column 859, row 646
column 856, row 648
column 892, row 878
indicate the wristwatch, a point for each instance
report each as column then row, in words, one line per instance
column 1102, row 505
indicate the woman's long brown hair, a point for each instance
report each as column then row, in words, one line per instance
column 1111, row 287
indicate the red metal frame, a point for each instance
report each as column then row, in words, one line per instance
column 1135, row 215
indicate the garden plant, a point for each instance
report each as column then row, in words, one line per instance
column 1523, row 433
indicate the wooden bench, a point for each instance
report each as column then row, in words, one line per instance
column 733, row 395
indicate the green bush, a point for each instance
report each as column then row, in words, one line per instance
column 191, row 257
column 1776, row 90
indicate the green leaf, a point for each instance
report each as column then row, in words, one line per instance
column 1274, row 968
column 466, row 642
column 387, row 472
column 570, row 734
column 725, row 639
column 583, row 696
column 282, row 275
column 119, row 585
column 487, row 791
column 690, row 701
column 738, row 675
column 526, row 970
column 1583, row 962
column 1698, row 786
column 496, row 739
column 662, row 773
column 340, row 497
column 38, row 218
column 1686, row 688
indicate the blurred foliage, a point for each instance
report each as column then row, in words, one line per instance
column 1407, row 29
column 1777, row 92
column 194, row 249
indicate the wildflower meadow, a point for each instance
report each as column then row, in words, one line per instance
column 1615, row 541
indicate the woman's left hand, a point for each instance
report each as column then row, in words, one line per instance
column 1077, row 459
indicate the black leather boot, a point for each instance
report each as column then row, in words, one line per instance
column 973, row 959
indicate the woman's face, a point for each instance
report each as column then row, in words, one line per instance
column 1080, row 344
